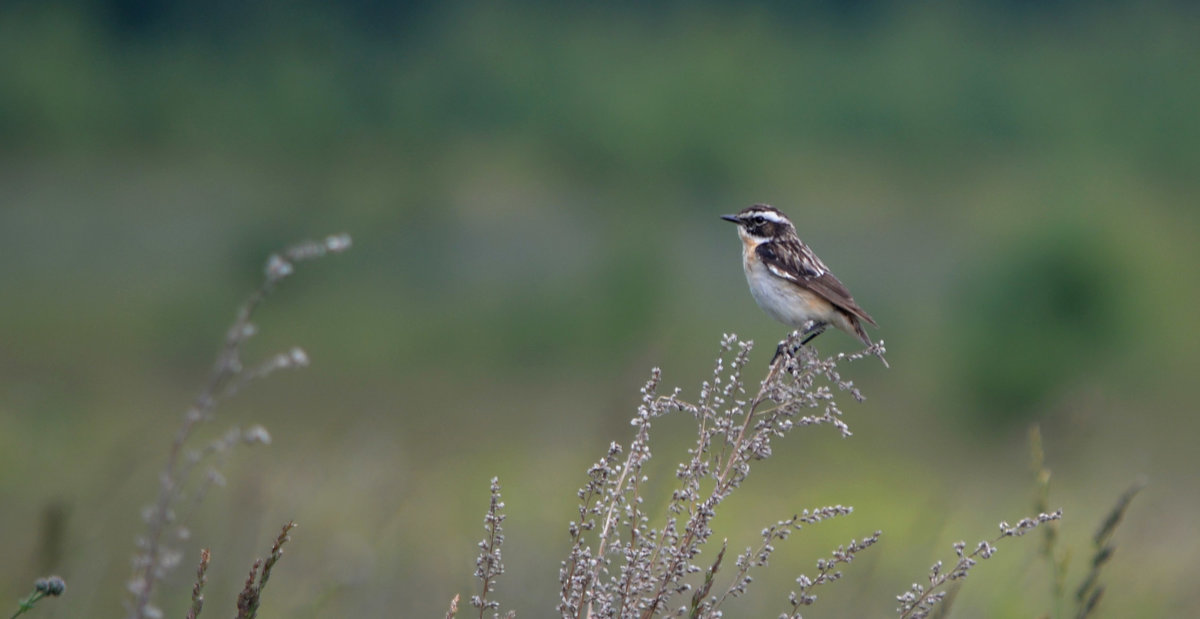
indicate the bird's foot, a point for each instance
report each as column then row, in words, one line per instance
column 811, row 331
column 790, row 347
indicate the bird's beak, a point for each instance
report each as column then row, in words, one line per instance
column 733, row 218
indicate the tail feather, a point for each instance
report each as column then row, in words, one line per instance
column 860, row 331
column 862, row 335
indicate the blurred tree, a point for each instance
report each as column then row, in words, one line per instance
column 1033, row 319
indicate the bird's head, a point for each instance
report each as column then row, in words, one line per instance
column 761, row 223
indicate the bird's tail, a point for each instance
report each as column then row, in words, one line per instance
column 862, row 335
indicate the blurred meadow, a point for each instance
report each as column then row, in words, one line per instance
column 533, row 191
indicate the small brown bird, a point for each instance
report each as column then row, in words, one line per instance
column 788, row 281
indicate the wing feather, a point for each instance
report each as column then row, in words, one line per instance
column 795, row 262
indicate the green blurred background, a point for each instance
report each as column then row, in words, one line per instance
column 1009, row 187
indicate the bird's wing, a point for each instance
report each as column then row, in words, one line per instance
column 797, row 263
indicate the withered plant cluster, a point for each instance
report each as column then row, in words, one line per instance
column 626, row 561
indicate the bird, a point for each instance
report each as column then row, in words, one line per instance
column 789, row 282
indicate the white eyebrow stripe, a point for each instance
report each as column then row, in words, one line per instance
column 773, row 216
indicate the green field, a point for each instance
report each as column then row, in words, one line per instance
column 533, row 192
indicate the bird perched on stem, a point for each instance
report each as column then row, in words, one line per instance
column 789, row 282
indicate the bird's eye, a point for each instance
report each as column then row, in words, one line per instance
column 759, row 219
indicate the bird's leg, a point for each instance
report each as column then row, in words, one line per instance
column 813, row 329
column 816, row 329
column 778, row 352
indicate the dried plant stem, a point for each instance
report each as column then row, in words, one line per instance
column 720, row 490
column 722, row 486
column 174, row 472
column 609, row 518
column 251, row 596
column 198, row 588
column 1088, row 595
column 488, row 575
column 759, row 398
column 227, row 365
column 228, row 376
column 606, row 529
column 918, row 602
column 490, row 565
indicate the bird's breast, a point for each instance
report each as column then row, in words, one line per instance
column 783, row 300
